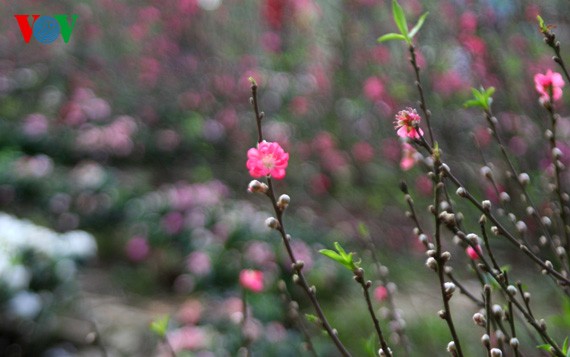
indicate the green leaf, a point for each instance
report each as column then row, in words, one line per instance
column 418, row 26
column 541, row 24
column 565, row 347
column 545, row 347
column 472, row 103
column 400, row 18
column 363, row 229
column 333, row 255
column 370, row 346
column 312, row 318
column 391, row 37
column 160, row 326
column 490, row 91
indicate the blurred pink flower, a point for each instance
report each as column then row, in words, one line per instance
column 173, row 222
column 549, row 82
column 408, row 157
column 474, row 254
column 363, row 151
column 380, row 293
column 424, row 185
column 268, row 159
column 198, row 263
column 251, row 280
column 406, row 122
column 468, row 21
column 373, row 89
column 259, row 253
column 271, row 42
column 302, row 252
column 35, row 125
column 320, row 184
column 190, row 312
column 188, row 338
column 137, row 249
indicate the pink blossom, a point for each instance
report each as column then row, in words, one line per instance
column 380, row 293
column 373, row 89
column 251, row 280
column 268, row 159
column 408, row 157
column 137, row 249
column 474, row 254
column 406, row 122
column 198, row 263
column 362, row 151
column 188, row 338
column 547, row 83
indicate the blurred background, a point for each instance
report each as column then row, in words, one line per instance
column 123, row 179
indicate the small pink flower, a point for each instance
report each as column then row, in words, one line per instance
column 268, row 159
column 380, row 293
column 408, row 157
column 474, row 254
column 137, row 249
column 406, row 122
column 547, row 83
column 251, row 280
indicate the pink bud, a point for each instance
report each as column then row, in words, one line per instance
column 380, row 293
column 474, row 255
column 251, row 280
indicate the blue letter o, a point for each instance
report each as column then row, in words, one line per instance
column 46, row 29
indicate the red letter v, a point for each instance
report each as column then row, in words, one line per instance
column 25, row 27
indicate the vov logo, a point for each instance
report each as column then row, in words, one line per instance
column 46, row 29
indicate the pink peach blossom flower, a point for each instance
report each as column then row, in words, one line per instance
column 474, row 254
column 268, row 159
column 408, row 157
column 406, row 122
column 548, row 83
column 380, row 293
column 251, row 280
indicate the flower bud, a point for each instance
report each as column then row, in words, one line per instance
column 495, row 352
column 546, row 221
column 514, row 342
column 512, row 290
column 504, row 197
column 431, row 263
column 486, row 172
column 486, row 340
column 524, row 178
column 479, row 319
column 521, row 227
column 449, row 288
column 461, row 192
column 283, row 202
column 257, row 187
column 556, row 153
column 451, row 348
column 486, row 205
column 473, row 238
column 272, row 223
column 446, row 256
column 497, row 311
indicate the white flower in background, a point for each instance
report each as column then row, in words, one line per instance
column 20, row 236
column 25, row 305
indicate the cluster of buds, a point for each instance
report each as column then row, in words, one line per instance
column 257, row 187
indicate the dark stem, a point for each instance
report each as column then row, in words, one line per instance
column 359, row 277
column 487, row 291
column 246, row 340
column 423, row 105
column 562, row 279
column 300, row 280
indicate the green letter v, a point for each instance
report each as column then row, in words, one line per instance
column 64, row 25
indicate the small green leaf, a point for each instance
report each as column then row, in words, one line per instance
column 541, row 24
column 391, row 37
column 545, row 347
column 370, row 346
column 490, row 91
column 312, row 318
column 418, row 26
column 160, row 326
column 565, row 347
column 400, row 18
column 472, row 103
column 341, row 250
column 363, row 229
column 333, row 255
